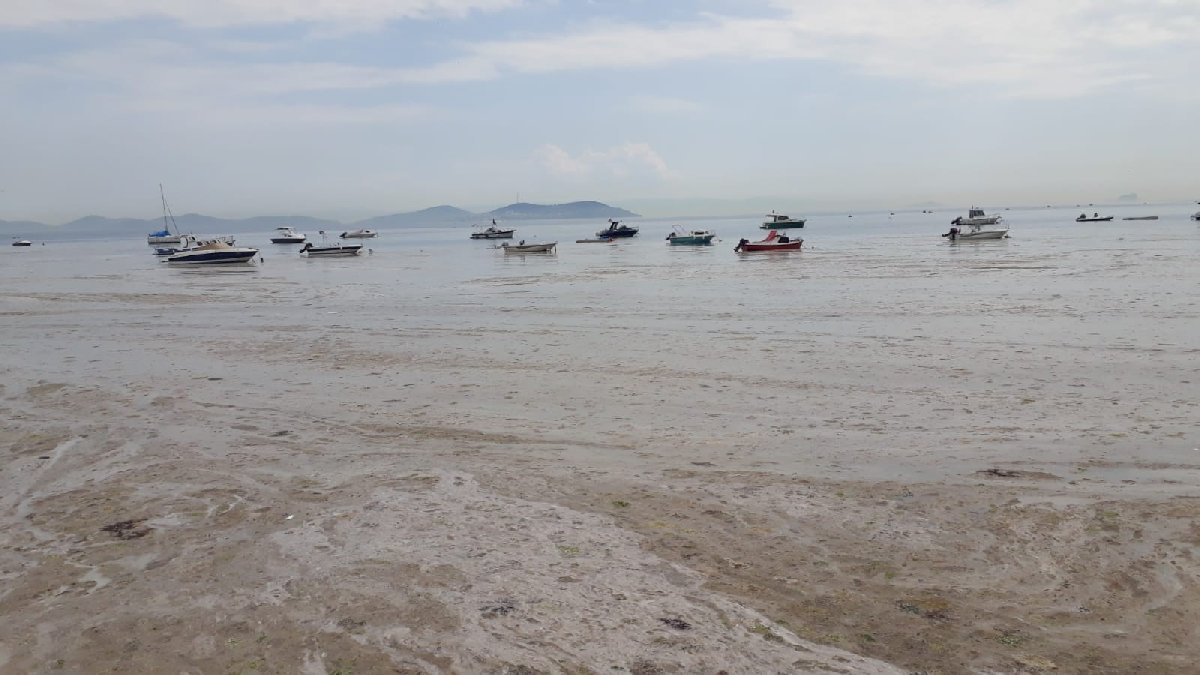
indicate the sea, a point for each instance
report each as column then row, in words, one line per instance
column 880, row 350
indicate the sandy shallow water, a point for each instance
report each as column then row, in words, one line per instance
column 884, row 454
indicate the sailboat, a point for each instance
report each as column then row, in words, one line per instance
column 169, row 234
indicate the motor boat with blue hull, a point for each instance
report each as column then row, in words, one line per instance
column 215, row 252
column 616, row 230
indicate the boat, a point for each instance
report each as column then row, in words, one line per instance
column 602, row 240
column 167, row 235
column 529, row 248
column 977, row 232
column 773, row 242
column 1094, row 218
column 287, row 235
column 493, row 232
column 331, row 250
column 682, row 237
column 359, row 234
column 615, row 229
column 212, row 252
column 22, row 242
column 976, row 216
column 1140, row 218
column 778, row 221
column 1196, row 215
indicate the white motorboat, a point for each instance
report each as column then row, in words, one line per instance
column 976, row 217
column 778, row 221
column 522, row 247
column 287, row 235
column 22, row 242
column 213, row 252
column 359, row 234
column 331, row 250
column 493, row 233
column 977, row 232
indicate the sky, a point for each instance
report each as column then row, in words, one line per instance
column 355, row 108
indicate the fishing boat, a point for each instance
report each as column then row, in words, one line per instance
column 522, row 247
column 1140, row 218
column 287, row 235
column 976, row 217
column 778, row 221
column 773, row 242
column 615, row 229
column 682, row 237
column 212, row 252
column 493, row 232
column 977, row 232
column 170, row 232
column 359, row 234
column 22, row 242
column 1094, row 218
column 331, row 250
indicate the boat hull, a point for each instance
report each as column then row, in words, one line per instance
column 530, row 248
column 359, row 234
column 981, row 236
column 502, row 234
column 333, row 251
column 783, row 225
column 287, row 240
column 217, row 257
column 22, row 243
column 689, row 240
column 763, row 248
column 1140, row 218
column 1094, row 220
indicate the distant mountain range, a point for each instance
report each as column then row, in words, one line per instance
column 431, row 217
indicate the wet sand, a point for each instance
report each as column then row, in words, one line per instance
column 512, row 472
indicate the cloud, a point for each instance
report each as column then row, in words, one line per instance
column 621, row 161
column 1027, row 48
column 665, row 105
column 223, row 13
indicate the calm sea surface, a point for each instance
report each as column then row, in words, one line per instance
column 1068, row 342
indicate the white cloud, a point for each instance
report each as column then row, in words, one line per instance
column 218, row 13
column 621, row 161
column 1029, row 48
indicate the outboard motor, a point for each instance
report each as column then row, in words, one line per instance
column 742, row 242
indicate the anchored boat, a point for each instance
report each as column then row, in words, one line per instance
column 778, row 221
column 773, row 242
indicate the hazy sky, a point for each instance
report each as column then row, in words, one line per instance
column 352, row 108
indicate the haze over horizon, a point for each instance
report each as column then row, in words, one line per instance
column 367, row 107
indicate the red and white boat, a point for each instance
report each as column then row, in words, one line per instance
column 773, row 242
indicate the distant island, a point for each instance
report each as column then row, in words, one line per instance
column 437, row 216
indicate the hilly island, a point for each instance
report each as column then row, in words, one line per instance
column 437, row 216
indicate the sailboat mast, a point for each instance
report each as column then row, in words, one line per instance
column 166, row 211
